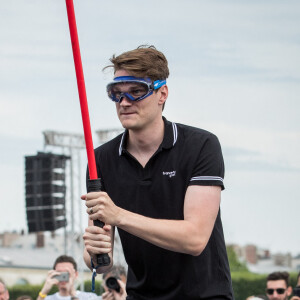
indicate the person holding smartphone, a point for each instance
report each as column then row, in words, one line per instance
column 296, row 290
column 63, row 275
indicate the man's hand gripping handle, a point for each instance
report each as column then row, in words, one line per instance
column 94, row 185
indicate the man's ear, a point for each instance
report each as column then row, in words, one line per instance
column 289, row 291
column 164, row 92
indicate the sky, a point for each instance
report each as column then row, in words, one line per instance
column 234, row 71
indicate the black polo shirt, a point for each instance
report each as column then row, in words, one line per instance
column 187, row 156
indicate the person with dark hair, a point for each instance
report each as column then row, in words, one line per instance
column 4, row 294
column 278, row 287
column 24, row 297
column 63, row 275
column 162, row 185
column 296, row 291
column 114, row 283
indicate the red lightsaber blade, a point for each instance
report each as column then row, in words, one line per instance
column 94, row 184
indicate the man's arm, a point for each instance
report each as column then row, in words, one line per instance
column 49, row 282
column 190, row 236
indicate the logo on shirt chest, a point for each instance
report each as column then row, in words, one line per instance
column 169, row 174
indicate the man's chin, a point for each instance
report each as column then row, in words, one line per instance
column 128, row 124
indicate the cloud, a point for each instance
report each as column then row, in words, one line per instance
column 245, row 160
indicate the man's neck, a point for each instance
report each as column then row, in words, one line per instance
column 142, row 144
column 65, row 292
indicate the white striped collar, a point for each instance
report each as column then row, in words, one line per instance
column 170, row 136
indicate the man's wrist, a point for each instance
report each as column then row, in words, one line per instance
column 120, row 217
column 46, row 288
column 42, row 295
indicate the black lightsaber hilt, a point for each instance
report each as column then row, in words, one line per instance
column 94, row 185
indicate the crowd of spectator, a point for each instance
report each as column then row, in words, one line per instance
column 64, row 275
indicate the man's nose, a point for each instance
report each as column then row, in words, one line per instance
column 124, row 101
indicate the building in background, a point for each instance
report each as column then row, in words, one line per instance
column 263, row 261
column 26, row 258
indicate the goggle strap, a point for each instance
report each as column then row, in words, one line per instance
column 158, row 83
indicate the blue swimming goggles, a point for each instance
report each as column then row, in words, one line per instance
column 139, row 88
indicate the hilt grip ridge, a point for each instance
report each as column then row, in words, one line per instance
column 94, row 185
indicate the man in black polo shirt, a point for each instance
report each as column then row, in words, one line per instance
column 162, row 183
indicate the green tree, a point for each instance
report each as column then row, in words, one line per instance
column 234, row 263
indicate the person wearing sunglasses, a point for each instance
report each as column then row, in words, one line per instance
column 278, row 286
column 162, row 185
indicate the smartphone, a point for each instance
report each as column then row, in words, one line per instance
column 64, row 276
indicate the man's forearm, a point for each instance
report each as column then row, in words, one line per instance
column 173, row 235
column 42, row 294
column 189, row 236
column 44, row 291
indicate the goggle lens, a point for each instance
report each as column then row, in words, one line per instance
column 136, row 88
column 136, row 91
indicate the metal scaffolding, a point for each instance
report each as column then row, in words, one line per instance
column 74, row 143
